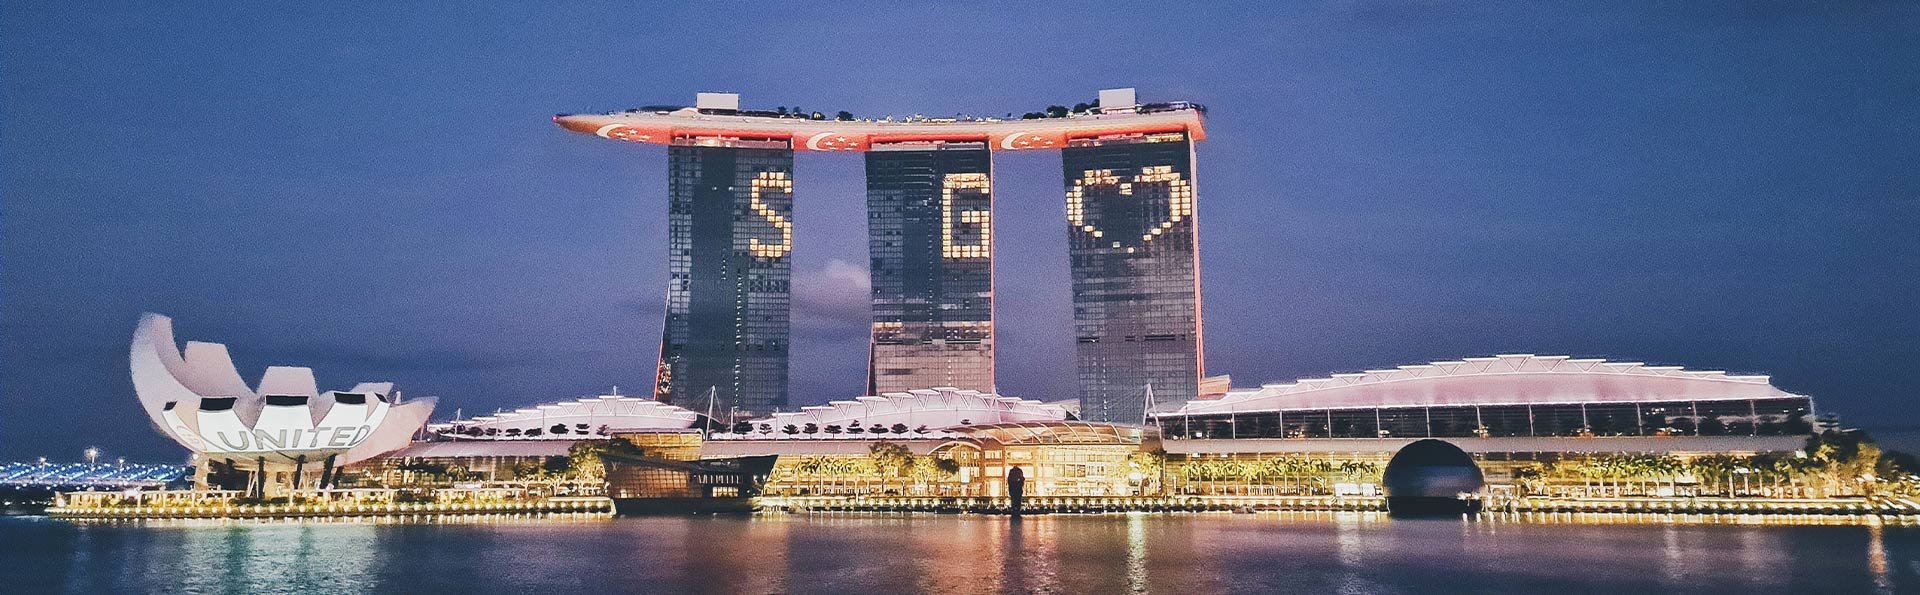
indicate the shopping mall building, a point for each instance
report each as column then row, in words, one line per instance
column 1322, row 436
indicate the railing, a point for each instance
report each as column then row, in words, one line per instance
column 333, row 509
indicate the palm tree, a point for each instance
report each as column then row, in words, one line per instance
column 1715, row 470
column 810, row 468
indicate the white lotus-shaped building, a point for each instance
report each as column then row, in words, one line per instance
column 198, row 399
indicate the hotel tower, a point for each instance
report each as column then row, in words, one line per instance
column 1129, row 189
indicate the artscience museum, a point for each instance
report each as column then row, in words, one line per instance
column 281, row 433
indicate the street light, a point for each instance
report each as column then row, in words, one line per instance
column 92, row 454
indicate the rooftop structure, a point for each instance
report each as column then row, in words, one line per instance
column 1505, row 396
column 935, row 409
column 1509, row 379
column 591, row 417
column 722, row 120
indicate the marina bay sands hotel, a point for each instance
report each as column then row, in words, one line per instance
column 1129, row 189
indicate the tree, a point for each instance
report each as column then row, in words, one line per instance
column 1528, row 478
column 558, row 429
column 790, row 429
column 930, row 469
column 426, row 468
column 854, row 428
column 810, row 468
column 585, row 460
column 1057, row 111
column 899, row 428
column 920, row 430
column 810, row 429
column 844, row 116
column 831, row 429
column 890, row 460
column 743, row 427
column 1149, row 465
column 877, row 429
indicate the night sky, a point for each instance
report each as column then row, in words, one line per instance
column 378, row 191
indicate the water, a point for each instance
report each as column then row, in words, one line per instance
column 874, row 554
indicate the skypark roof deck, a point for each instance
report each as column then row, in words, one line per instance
column 709, row 123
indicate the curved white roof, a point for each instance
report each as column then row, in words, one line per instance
column 582, row 417
column 200, row 401
column 935, row 408
column 1498, row 380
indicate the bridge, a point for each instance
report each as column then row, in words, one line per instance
column 84, row 476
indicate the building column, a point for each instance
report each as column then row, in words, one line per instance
column 929, row 236
column 1133, row 247
column 730, row 234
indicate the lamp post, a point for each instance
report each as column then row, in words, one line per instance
column 92, row 455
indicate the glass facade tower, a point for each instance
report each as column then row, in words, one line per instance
column 929, row 235
column 1133, row 248
column 729, row 294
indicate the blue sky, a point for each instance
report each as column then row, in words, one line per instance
column 378, row 192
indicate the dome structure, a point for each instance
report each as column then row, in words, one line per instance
column 198, row 399
column 934, row 408
column 572, row 420
column 1513, row 379
column 1428, row 477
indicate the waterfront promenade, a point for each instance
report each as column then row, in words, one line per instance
column 102, row 505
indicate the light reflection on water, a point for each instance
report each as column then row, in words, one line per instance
column 1139, row 553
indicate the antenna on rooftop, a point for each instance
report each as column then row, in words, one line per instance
column 708, row 426
column 1146, row 406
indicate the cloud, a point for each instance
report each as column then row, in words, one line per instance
column 833, row 302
